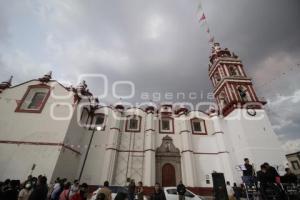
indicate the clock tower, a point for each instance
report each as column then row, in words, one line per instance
column 247, row 131
column 232, row 88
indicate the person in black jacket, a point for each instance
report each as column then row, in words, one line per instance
column 289, row 177
column 11, row 193
column 158, row 193
column 41, row 190
column 131, row 190
column 181, row 190
column 271, row 173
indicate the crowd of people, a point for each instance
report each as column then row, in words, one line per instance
column 36, row 188
column 266, row 179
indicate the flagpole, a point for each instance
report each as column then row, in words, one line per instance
column 203, row 21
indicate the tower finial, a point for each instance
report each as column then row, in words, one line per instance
column 9, row 81
column 216, row 47
column 46, row 78
column 6, row 84
column 119, row 105
column 82, row 86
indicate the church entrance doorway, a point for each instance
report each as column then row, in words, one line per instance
column 168, row 175
column 168, row 163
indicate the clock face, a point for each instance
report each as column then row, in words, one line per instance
column 251, row 111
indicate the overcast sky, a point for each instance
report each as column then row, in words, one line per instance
column 159, row 46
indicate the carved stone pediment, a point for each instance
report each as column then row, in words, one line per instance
column 167, row 148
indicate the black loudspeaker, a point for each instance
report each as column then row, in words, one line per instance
column 220, row 192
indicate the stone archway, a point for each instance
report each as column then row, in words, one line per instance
column 168, row 163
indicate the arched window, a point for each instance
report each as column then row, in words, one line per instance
column 84, row 117
column 34, row 99
column 198, row 126
column 243, row 93
column 223, row 100
column 166, row 125
column 99, row 121
column 233, row 71
column 217, row 77
column 133, row 123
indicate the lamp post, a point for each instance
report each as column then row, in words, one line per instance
column 96, row 128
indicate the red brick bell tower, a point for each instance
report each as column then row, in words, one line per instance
column 232, row 88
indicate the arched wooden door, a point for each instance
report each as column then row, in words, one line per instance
column 168, row 175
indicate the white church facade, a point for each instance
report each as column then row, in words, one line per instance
column 63, row 132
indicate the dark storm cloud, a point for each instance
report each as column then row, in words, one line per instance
column 158, row 45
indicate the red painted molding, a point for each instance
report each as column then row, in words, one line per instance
column 197, row 133
column 127, row 124
column 241, row 104
column 172, row 125
column 18, row 109
column 40, row 144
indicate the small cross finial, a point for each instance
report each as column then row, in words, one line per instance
column 10, row 80
column 6, row 84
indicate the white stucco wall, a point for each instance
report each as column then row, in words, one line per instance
column 116, row 154
column 16, row 160
column 253, row 138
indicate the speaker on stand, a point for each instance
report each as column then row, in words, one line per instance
column 219, row 186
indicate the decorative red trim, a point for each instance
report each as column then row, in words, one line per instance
column 18, row 109
column 242, row 68
column 166, row 132
column 238, row 104
column 197, row 133
column 127, row 123
column 251, row 92
column 218, row 89
column 40, row 143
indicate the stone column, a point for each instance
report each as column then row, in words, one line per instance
column 187, row 154
column 224, row 158
column 110, row 154
column 150, row 146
